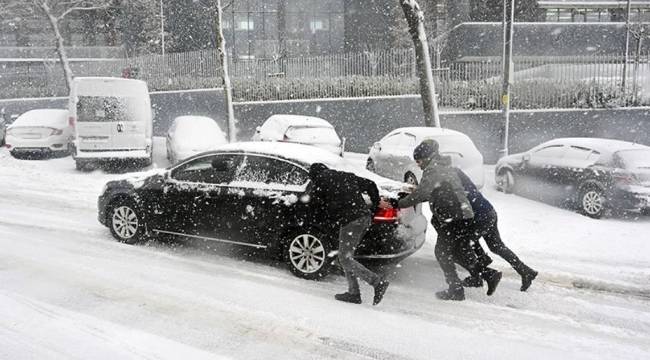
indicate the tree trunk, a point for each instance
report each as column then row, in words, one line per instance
column 415, row 20
column 223, row 57
column 60, row 49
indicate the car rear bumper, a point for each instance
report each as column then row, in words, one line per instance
column 626, row 199
column 48, row 144
column 113, row 154
column 389, row 243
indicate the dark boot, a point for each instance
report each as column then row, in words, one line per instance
column 492, row 277
column 455, row 293
column 527, row 278
column 380, row 290
column 348, row 297
column 472, row 281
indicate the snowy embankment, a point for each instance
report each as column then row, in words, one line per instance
column 68, row 290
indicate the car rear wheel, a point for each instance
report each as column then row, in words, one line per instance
column 126, row 222
column 307, row 255
column 506, row 181
column 370, row 165
column 410, row 178
column 592, row 201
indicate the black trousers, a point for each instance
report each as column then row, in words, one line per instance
column 454, row 245
column 487, row 228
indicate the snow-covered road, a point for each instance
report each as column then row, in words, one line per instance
column 69, row 291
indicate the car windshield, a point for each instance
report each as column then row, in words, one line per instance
column 107, row 108
column 313, row 135
column 635, row 159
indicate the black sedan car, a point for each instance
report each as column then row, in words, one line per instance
column 256, row 195
column 594, row 174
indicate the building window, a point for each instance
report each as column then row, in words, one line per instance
column 593, row 15
column 316, row 25
column 565, row 15
column 245, row 25
column 552, row 15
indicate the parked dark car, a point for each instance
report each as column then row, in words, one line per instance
column 254, row 194
column 595, row 174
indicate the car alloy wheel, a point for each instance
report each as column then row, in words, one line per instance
column 125, row 222
column 506, row 181
column 593, row 202
column 307, row 255
column 410, row 179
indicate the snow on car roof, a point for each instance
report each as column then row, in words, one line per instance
column 599, row 144
column 192, row 129
column 286, row 120
column 424, row 131
column 43, row 117
column 307, row 155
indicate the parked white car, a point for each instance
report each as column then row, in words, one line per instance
column 191, row 135
column 44, row 131
column 307, row 130
column 392, row 156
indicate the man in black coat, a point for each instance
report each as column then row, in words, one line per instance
column 452, row 216
column 484, row 225
column 338, row 197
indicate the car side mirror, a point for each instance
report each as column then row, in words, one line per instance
column 219, row 165
column 526, row 157
column 257, row 129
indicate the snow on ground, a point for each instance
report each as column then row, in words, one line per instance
column 68, row 290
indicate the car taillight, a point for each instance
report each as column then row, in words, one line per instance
column 386, row 216
column 624, row 178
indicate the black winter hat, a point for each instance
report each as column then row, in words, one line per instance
column 316, row 168
column 427, row 149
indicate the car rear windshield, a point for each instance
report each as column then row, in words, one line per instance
column 634, row 159
column 107, row 108
column 314, row 135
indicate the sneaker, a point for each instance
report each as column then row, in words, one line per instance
column 472, row 281
column 492, row 278
column 527, row 279
column 380, row 290
column 348, row 297
column 453, row 293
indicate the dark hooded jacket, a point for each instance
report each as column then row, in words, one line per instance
column 337, row 195
column 482, row 208
column 443, row 189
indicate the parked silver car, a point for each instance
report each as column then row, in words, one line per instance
column 392, row 156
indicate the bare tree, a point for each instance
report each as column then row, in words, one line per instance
column 415, row 20
column 55, row 11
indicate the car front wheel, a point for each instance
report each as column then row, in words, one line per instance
column 307, row 255
column 592, row 202
column 506, row 181
column 410, row 178
column 126, row 222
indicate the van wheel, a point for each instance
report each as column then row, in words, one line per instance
column 82, row 165
column 307, row 253
column 126, row 221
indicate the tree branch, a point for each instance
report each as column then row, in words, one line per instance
column 82, row 8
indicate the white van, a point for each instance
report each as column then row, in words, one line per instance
column 112, row 120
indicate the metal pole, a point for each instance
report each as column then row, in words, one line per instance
column 162, row 28
column 508, row 20
column 627, row 44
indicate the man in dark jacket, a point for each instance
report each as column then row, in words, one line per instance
column 338, row 195
column 485, row 225
column 452, row 217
